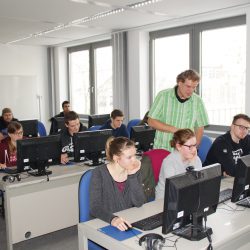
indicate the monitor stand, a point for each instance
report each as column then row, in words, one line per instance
column 194, row 231
column 40, row 171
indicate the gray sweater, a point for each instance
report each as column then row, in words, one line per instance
column 106, row 199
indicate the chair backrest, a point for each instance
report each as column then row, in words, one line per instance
column 132, row 123
column 157, row 156
column 205, row 145
column 95, row 127
column 41, row 129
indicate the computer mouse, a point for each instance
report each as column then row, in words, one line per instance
column 128, row 227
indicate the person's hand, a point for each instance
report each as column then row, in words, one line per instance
column 225, row 174
column 2, row 166
column 134, row 167
column 120, row 223
column 64, row 158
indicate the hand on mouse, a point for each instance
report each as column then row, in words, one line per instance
column 120, row 223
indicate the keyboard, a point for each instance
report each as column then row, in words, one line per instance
column 244, row 202
column 225, row 195
column 149, row 223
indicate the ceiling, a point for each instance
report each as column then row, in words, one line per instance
column 53, row 22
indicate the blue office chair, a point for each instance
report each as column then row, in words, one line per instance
column 83, row 199
column 41, row 129
column 132, row 123
column 205, row 145
column 95, row 127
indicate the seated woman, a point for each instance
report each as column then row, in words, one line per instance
column 183, row 156
column 115, row 123
column 116, row 186
column 8, row 156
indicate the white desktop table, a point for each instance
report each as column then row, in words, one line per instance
column 35, row 206
column 231, row 229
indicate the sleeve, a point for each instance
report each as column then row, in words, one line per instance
column 155, row 111
column 125, row 131
column 137, row 196
column 97, row 208
column 2, row 160
column 202, row 118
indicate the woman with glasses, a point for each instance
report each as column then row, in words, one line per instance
column 183, row 156
column 8, row 149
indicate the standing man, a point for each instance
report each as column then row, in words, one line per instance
column 177, row 108
column 66, row 108
column 228, row 148
column 5, row 119
column 72, row 125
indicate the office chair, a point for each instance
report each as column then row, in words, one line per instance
column 41, row 129
column 205, row 145
column 156, row 156
column 132, row 123
column 83, row 199
column 95, row 127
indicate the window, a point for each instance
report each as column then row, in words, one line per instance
column 90, row 78
column 217, row 50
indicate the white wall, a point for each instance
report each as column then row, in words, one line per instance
column 27, row 61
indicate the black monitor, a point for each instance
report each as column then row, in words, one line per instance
column 241, row 188
column 38, row 154
column 30, row 128
column 143, row 136
column 98, row 119
column 89, row 146
column 59, row 124
column 189, row 198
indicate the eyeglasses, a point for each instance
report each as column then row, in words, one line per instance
column 18, row 133
column 241, row 127
column 190, row 146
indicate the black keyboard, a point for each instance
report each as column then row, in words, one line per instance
column 149, row 223
column 225, row 195
column 244, row 202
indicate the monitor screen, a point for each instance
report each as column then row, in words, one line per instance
column 89, row 146
column 38, row 154
column 30, row 128
column 189, row 198
column 241, row 188
column 143, row 136
column 59, row 124
column 98, row 119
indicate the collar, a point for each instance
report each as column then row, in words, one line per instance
column 178, row 98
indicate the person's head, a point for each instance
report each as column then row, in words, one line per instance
column 66, row 106
column 7, row 115
column 15, row 131
column 120, row 150
column 187, row 81
column 184, row 141
column 117, row 117
column 72, row 122
column 240, row 126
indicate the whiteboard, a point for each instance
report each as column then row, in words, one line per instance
column 19, row 93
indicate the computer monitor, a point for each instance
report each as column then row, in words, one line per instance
column 143, row 136
column 189, row 198
column 38, row 154
column 241, row 188
column 59, row 124
column 89, row 146
column 30, row 128
column 98, row 119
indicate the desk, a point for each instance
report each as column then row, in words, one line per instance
column 231, row 229
column 35, row 206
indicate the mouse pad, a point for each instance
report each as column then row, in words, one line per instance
column 117, row 234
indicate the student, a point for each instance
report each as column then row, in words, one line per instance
column 176, row 108
column 228, row 148
column 116, row 186
column 72, row 125
column 5, row 119
column 115, row 123
column 184, row 155
column 8, row 149
column 66, row 109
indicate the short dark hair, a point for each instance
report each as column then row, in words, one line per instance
column 6, row 110
column 241, row 116
column 116, row 113
column 70, row 116
column 189, row 74
column 65, row 102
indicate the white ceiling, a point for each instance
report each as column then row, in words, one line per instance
column 26, row 18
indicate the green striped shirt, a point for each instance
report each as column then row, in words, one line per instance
column 167, row 109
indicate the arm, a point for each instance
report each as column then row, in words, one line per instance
column 199, row 133
column 158, row 125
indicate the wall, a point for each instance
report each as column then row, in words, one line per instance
column 27, row 61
